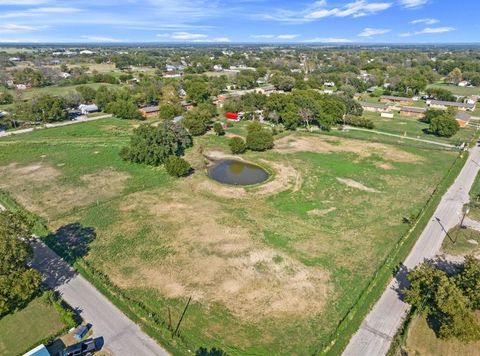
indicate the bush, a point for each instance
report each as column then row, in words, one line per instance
column 359, row 121
column 153, row 145
column 237, row 145
column 218, row 128
column 444, row 126
column 177, row 166
column 258, row 138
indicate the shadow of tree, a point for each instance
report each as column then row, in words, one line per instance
column 203, row 351
column 400, row 274
column 71, row 241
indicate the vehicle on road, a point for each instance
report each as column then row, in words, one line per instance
column 85, row 348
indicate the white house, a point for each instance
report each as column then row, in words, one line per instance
column 217, row 68
column 464, row 84
column 329, row 84
column 87, row 109
column 86, row 51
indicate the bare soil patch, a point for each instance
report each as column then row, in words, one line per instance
column 357, row 185
column 323, row 144
column 218, row 258
column 39, row 187
column 321, row 212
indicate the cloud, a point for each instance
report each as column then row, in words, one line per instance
column 23, row 2
column 40, row 11
column 328, row 40
column 213, row 40
column 187, row 36
column 276, row 37
column 428, row 30
column 413, row 3
column 319, row 10
column 369, row 32
column 425, row 21
column 16, row 28
column 102, row 39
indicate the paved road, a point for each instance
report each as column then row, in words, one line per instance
column 121, row 335
column 49, row 126
column 400, row 136
column 379, row 327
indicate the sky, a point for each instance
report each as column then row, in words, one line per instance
column 240, row 21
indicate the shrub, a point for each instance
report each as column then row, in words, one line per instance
column 177, row 166
column 218, row 128
column 258, row 138
column 359, row 121
column 237, row 145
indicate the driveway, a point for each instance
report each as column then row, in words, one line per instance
column 381, row 324
column 121, row 335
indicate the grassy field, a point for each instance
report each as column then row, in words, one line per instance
column 412, row 127
column 271, row 269
column 55, row 90
column 28, row 327
column 461, row 241
column 456, row 90
column 421, row 340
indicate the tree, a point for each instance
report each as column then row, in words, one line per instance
column 88, row 93
column 177, row 166
column 444, row 126
column 455, row 76
column 469, row 281
column 437, row 296
column 168, row 111
column 258, row 138
column 18, row 282
column 152, row 145
column 5, row 98
column 218, row 128
column 43, row 108
column 104, row 96
column 196, row 121
column 237, row 145
column 124, row 109
column 430, row 114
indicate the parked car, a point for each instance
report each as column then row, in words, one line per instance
column 80, row 332
column 85, row 348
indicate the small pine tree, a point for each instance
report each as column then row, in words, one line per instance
column 218, row 128
column 237, row 145
column 177, row 166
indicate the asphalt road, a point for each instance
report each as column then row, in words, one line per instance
column 121, row 335
column 380, row 326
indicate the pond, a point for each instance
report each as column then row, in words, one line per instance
column 229, row 171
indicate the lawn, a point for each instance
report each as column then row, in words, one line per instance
column 421, row 340
column 28, row 327
column 456, row 90
column 271, row 269
column 412, row 127
column 56, row 90
column 461, row 241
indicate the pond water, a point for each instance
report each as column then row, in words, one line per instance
column 230, row 171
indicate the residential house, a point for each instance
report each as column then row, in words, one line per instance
column 171, row 74
column 87, row 108
column 413, row 111
column 187, row 105
column 374, row 107
column 329, row 84
column 396, row 100
column 217, row 68
column 266, row 90
column 40, row 350
column 149, row 111
column 443, row 105
column 463, row 118
column 464, row 84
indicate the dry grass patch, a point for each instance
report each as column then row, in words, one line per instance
column 218, row 258
column 40, row 189
column 325, row 144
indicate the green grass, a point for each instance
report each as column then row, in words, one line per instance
column 456, row 90
column 461, row 241
column 28, row 327
column 421, row 340
column 137, row 231
column 412, row 127
column 57, row 90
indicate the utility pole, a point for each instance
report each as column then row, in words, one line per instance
column 181, row 318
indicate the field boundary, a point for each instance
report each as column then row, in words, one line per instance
column 353, row 318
